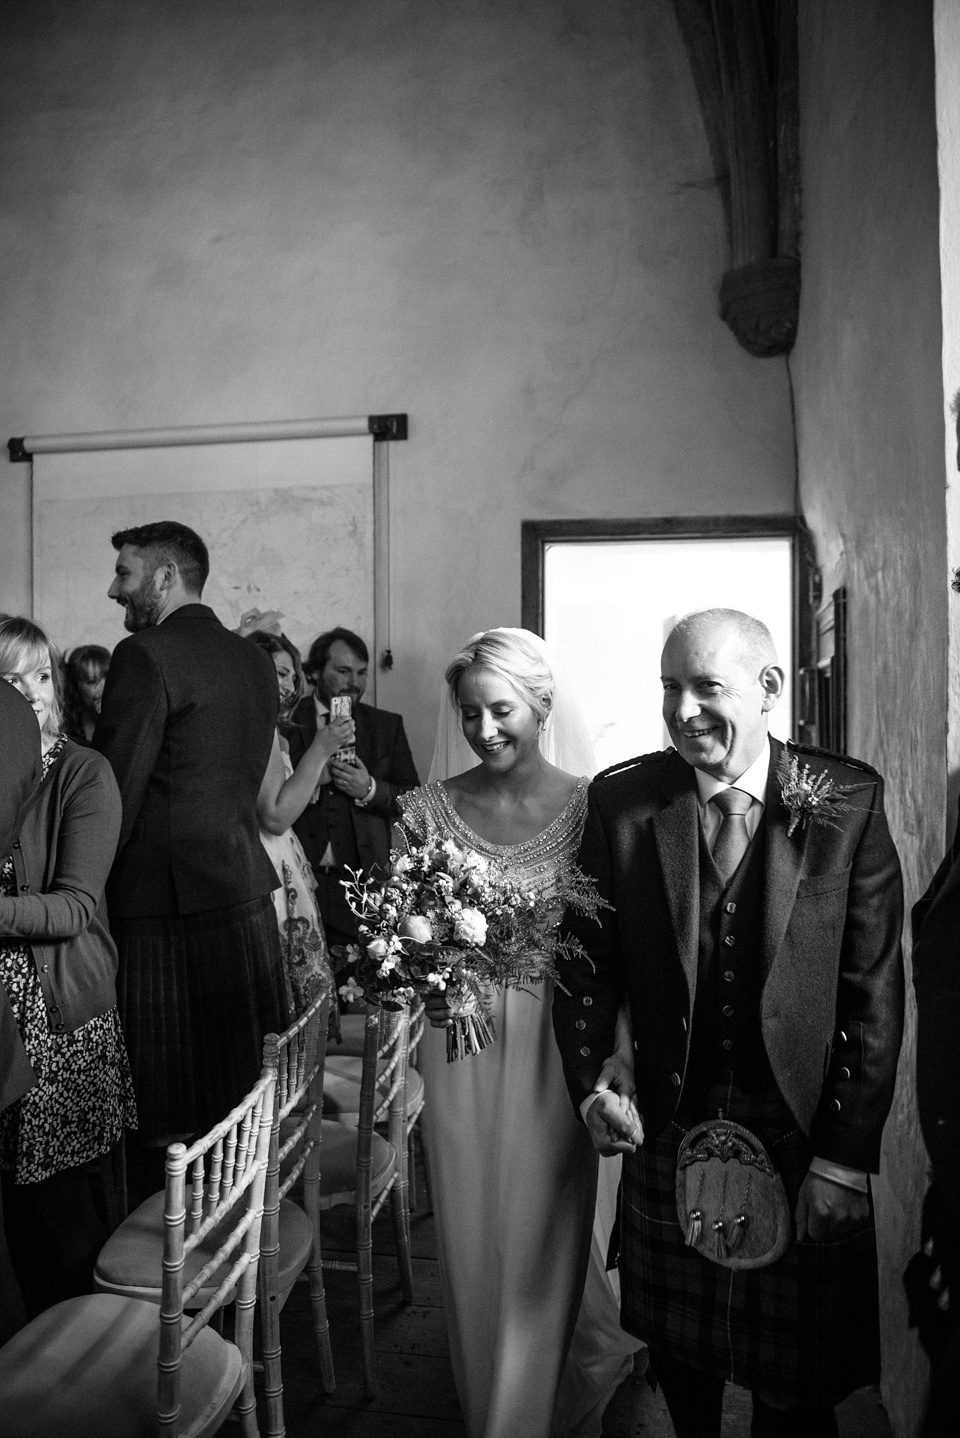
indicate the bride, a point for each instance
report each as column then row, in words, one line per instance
column 513, row 1176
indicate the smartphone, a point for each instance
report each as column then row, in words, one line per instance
column 341, row 706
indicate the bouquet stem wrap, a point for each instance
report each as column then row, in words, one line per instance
column 469, row 1034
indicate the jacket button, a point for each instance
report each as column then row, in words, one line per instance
column 730, row 908
column 727, row 1011
column 844, row 1073
column 727, row 1045
column 835, row 1105
column 587, row 1001
column 17, row 844
column 729, row 941
column 675, row 1080
column 44, row 968
column 728, row 976
column 580, row 1024
column 24, row 888
column 585, row 1052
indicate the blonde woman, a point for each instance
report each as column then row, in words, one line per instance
column 513, row 1177
column 58, row 966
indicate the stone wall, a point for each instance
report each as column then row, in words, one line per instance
column 870, row 435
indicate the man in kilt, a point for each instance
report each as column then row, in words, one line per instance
column 754, row 932
column 188, row 718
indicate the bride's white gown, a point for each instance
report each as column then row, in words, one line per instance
column 513, row 1180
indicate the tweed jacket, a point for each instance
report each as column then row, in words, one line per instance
column 187, row 721
column 831, row 1007
column 61, row 860
column 382, row 745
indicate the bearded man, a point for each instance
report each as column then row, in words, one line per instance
column 187, row 722
column 754, row 932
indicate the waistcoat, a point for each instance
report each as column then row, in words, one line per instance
column 330, row 821
column 725, row 1032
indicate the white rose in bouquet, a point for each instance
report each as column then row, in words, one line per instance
column 471, row 928
column 416, row 927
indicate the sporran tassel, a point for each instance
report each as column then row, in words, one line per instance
column 694, row 1227
column 739, row 1228
column 721, row 1240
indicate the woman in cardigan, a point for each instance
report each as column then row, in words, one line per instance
column 58, row 965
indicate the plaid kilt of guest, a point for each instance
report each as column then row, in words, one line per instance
column 803, row 1331
column 197, row 993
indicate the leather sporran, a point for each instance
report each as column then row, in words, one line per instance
column 731, row 1202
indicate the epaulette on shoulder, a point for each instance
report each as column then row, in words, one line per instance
column 626, row 764
column 805, row 749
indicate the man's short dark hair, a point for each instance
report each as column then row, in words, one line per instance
column 321, row 646
column 167, row 540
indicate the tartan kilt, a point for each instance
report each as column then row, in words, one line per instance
column 802, row 1332
column 196, row 994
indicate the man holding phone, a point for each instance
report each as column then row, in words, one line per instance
column 347, row 826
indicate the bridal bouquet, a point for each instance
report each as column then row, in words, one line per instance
column 449, row 921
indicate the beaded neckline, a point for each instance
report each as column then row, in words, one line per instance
column 569, row 814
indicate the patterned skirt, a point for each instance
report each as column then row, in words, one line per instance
column 802, row 1332
column 197, row 994
column 83, row 1098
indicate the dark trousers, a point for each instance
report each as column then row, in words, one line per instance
column 54, row 1234
column 695, row 1401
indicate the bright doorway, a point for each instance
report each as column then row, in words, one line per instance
column 607, row 605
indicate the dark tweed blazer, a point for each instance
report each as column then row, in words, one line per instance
column 187, row 722
column 832, row 1000
column 383, row 747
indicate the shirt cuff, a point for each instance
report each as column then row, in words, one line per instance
column 585, row 1106
column 839, row 1173
column 362, row 803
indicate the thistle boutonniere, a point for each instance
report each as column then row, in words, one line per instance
column 811, row 798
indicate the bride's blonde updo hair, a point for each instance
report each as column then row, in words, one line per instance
column 510, row 657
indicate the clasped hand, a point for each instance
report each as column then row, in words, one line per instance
column 613, row 1119
column 441, row 1012
column 827, row 1210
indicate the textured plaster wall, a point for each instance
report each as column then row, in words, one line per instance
column 947, row 41
column 871, row 461
column 497, row 215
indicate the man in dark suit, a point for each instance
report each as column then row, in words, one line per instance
column 187, row 722
column 347, row 826
column 755, row 934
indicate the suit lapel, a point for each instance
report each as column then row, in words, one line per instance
column 676, row 831
column 783, row 864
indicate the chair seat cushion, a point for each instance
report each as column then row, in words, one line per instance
column 130, row 1261
column 338, row 1162
column 341, row 1088
column 87, row 1368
